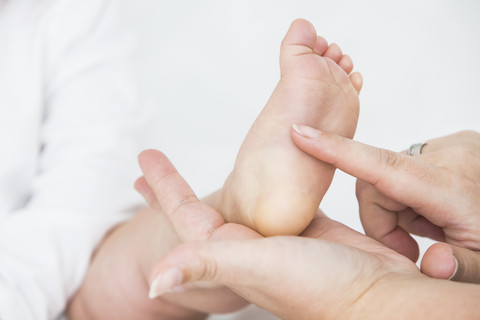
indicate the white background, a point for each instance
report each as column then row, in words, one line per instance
column 207, row 68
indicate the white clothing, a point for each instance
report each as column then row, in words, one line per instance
column 69, row 128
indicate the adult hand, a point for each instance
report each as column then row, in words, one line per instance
column 435, row 194
column 330, row 272
column 180, row 207
column 118, row 279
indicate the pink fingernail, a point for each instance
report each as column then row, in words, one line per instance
column 168, row 281
column 306, row 131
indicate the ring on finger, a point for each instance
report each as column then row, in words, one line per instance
column 416, row 149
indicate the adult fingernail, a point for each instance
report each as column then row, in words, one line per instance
column 455, row 270
column 306, row 131
column 168, row 281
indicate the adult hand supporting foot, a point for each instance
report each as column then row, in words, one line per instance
column 180, row 208
column 118, row 279
column 330, row 272
column 435, row 194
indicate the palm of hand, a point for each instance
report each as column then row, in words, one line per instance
column 327, row 229
column 328, row 261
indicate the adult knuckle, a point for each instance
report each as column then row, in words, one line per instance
column 202, row 267
column 210, row 270
column 469, row 134
column 388, row 158
column 469, row 138
column 465, row 152
column 184, row 204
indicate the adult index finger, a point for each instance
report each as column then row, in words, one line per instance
column 191, row 219
column 398, row 176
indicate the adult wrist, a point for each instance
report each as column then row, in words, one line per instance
column 391, row 295
column 416, row 296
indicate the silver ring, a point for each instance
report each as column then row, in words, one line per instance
column 416, row 149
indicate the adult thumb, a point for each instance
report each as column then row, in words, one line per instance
column 216, row 262
column 445, row 261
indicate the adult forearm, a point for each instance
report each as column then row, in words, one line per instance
column 402, row 296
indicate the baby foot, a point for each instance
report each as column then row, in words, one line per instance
column 274, row 187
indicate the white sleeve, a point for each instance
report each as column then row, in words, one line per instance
column 86, row 163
